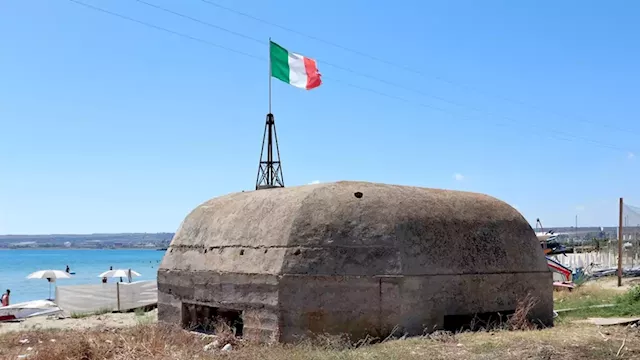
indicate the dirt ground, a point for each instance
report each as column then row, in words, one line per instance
column 109, row 320
column 158, row 342
column 611, row 283
column 139, row 336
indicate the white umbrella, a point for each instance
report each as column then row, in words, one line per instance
column 50, row 275
column 119, row 273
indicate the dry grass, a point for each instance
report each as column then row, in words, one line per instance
column 516, row 339
column 520, row 318
column 154, row 341
column 585, row 295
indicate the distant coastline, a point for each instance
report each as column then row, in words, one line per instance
column 79, row 248
column 128, row 241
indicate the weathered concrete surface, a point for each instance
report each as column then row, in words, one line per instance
column 317, row 259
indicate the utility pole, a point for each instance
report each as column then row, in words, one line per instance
column 620, row 244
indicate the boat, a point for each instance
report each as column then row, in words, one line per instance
column 562, row 275
column 28, row 309
column 560, row 272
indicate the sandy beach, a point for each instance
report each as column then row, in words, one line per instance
column 109, row 320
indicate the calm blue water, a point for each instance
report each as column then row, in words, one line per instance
column 15, row 265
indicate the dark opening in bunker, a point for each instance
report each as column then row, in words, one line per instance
column 211, row 320
column 476, row 322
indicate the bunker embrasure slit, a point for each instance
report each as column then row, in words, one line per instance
column 211, row 320
column 476, row 322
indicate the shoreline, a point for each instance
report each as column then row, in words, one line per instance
column 79, row 248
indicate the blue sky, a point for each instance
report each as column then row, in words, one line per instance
column 111, row 126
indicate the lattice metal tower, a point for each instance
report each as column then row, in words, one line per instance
column 269, row 170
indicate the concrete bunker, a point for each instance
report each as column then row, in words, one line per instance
column 351, row 257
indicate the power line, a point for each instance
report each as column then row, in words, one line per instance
column 400, row 86
column 202, row 22
column 165, row 29
column 406, row 68
column 206, row 42
column 307, row 35
column 323, row 62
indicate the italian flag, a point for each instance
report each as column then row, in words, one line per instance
column 294, row 69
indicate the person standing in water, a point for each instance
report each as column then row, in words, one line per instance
column 5, row 298
column 68, row 270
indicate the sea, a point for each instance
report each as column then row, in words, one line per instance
column 16, row 265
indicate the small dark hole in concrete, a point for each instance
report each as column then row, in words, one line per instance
column 475, row 322
column 297, row 252
column 241, row 252
column 357, row 194
column 207, row 319
column 205, row 251
column 265, row 251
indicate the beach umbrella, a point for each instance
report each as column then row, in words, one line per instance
column 119, row 273
column 50, row 275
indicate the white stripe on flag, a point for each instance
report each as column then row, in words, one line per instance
column 297, row 72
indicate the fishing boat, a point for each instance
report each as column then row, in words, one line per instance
column 562, row 275
column 28, row 309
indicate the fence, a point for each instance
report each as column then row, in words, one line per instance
column 605, row 259
column 92, row 298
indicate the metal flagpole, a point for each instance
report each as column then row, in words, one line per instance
column 269, row 75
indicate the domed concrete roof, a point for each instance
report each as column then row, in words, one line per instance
column 326, row 229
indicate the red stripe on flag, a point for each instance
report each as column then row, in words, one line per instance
column 313, row 76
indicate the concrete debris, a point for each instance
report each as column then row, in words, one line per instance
column 227, row 347
column 212, row 346
column 611, row 321
column 635, row 272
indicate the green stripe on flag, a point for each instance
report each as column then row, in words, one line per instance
column 279, row 62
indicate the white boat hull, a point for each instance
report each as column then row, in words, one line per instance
column 28, row 309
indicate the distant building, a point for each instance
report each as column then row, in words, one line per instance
column 67, row 244
column 92, row 244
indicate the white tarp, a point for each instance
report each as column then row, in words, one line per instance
column 106, row 297
column 138, row 294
